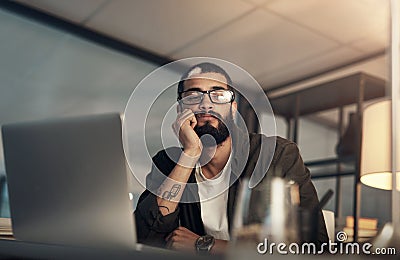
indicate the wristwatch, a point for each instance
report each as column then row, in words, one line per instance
column 204, row 243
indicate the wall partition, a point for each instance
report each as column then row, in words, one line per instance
column 47, row 72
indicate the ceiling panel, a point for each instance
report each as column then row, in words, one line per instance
column 372, row 44
column 164, row 26
column 293, row 71
column 260, row 42
column 73, row 10
column 342, row 20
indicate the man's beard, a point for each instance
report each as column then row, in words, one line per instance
column 219, row 134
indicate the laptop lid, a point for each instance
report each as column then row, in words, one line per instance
column 67, row 182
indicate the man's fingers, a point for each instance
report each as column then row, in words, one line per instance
column 169, row 244
column 179, row 234
column 169, row 236
column 174, row 234
column 186, row 115
column 180, row 228
column 193, row 121
column 181, row 239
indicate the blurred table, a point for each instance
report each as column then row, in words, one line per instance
column 13, row 249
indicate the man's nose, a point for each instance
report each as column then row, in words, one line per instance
column 206, row 103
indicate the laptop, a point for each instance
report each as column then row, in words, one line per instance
column 67, row 182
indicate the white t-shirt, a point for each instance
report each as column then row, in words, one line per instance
column 213, row 211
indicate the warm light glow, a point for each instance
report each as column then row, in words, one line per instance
column 380, row 180
column 376, row 164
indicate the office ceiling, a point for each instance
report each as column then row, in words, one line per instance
column 277, row 41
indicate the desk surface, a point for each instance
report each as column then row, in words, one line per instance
column 18, row 249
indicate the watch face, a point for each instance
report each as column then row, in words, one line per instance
column 208, row 239
column 205, row 243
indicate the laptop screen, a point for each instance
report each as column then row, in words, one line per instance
column 67, row 182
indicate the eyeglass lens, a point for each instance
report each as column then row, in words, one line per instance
column 219, row 96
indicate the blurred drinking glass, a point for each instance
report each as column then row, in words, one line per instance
column 268, row 212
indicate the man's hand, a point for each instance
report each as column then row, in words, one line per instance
column 175, row 184
column 182, row 239
column 183, row 128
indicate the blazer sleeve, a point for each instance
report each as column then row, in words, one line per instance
column 152, row 227
column 293, row 168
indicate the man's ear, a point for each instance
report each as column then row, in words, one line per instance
column 179, row 108
column 234, row 108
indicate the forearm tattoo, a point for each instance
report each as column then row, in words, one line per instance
column 169, row 195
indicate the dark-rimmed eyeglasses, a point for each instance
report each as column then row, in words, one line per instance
column 217, row 96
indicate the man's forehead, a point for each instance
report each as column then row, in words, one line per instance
column 209, row 77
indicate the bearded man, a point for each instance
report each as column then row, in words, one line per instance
column 192, row 209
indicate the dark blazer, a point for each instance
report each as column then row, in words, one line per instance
column 286, row 162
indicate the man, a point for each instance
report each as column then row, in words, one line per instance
column 193, row 208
